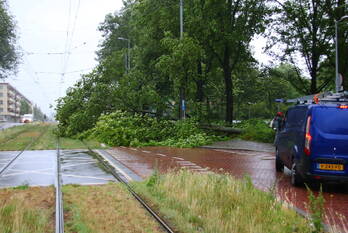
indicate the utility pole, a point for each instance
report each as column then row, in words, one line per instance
column 128, row 56
column 181, row 19
column 182, row 88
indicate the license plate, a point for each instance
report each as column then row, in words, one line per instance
column 334, row 167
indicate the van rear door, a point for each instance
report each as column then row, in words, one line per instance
column 329, row 131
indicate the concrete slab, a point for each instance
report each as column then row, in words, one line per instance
column 79, row 167
column 6, row 156
column 38, row 168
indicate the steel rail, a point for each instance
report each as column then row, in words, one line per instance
column 59, row 195
column 21, row 152
column 153, row 213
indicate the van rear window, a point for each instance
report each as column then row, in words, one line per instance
column 331, row 120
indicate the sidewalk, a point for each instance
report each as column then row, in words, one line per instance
column 239, row 144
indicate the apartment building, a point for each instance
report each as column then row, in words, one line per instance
column 10, row 103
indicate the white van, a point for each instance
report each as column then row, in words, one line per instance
column 27, row 118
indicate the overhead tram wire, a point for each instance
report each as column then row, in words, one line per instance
column 70, row 40
column 67, row 33
column 65, row 46
column 69, row 72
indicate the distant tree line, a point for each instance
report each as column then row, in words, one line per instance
column 212, row 67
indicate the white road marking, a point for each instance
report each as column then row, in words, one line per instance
column 161, row 154
column 238, row 152
column 5, row 160
column 78, row 164
column 28, row 172
column 185, row 163
column 145, row 151
column 43, row 169
column 178, row 158
column 195, row 167
column 84, row 160
column 91, row 183
column 134, row 149
column 123, row 147
column 88, row 177
column 199, row 169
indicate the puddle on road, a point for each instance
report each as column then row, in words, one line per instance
column 38, row 168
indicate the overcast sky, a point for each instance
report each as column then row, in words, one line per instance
column 56, row 26
column 47, row 29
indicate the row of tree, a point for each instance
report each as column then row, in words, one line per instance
column 212, row 67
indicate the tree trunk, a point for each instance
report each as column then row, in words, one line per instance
column 228, row 94
column 313, row 82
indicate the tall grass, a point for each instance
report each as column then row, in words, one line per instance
column 103, row 209
column 26, row 210
column 15, row 218
column 212, row 203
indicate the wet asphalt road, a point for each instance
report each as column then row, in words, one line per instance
column 6, row 125
column 258, row 165
column 38, row 168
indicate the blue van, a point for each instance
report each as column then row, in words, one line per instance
column 313, row 143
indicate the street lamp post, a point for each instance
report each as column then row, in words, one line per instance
column 338, row 80
column 182, row 90
column 128, row 66
column 181, row 19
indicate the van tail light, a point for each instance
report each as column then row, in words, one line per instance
column 308, row 137
column 343, row 106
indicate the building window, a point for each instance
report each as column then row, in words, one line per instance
column 1, row 109
column 1, row 102
column 1, row 94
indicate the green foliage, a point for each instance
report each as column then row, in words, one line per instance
column 38, row 114
column 306, row 28
column 316, row 206
column 125, row 129
column 256, row 130
column 8, row 53
column 25, row 108
column 211, row 67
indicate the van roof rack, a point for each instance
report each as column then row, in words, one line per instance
column 321, row 98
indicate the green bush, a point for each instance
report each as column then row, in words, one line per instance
column 256, row 130
column 125, row 129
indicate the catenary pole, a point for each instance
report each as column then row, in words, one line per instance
column 182, row 90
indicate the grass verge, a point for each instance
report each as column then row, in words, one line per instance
column 11, row 133
column 21, row 136
column 104, row 208
column 18, row 137
column 196, row 202
column 27, row 210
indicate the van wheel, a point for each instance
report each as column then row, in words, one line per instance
column 278, row 163
column 296, row 179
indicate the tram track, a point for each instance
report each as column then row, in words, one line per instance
column 58, row 180
column 4, row 168
column 137, row 197
column 59, row 195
